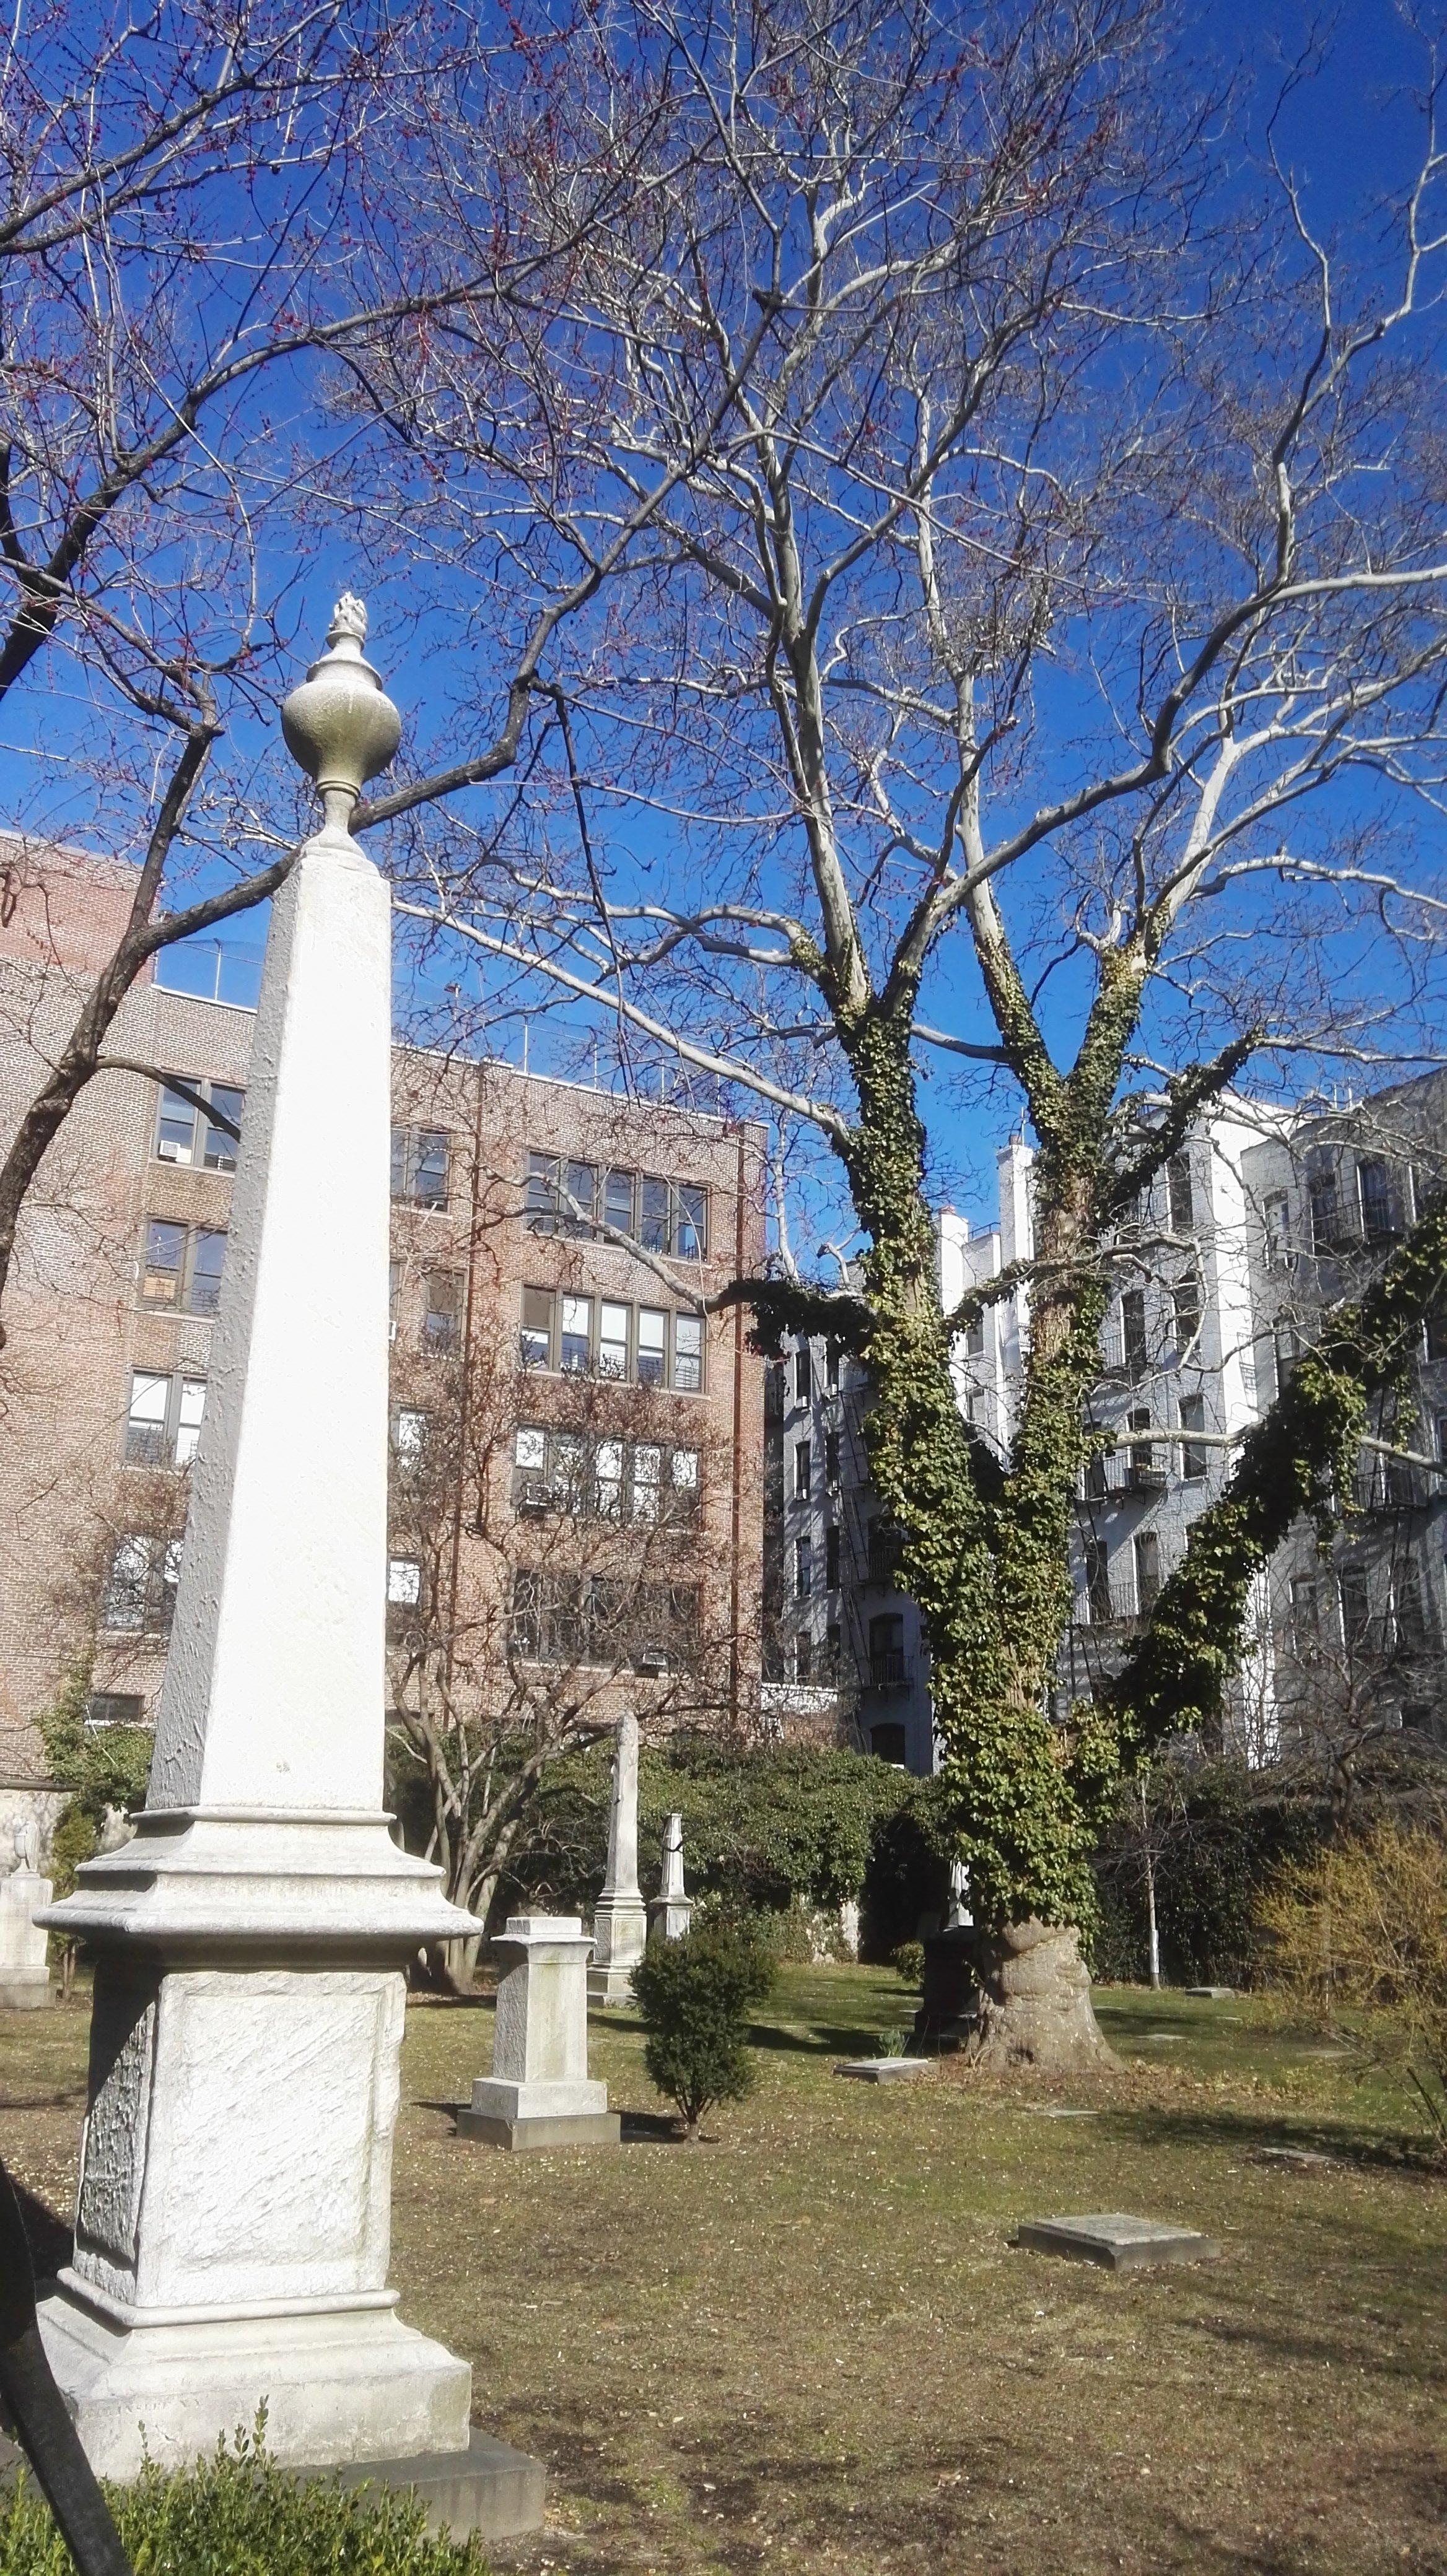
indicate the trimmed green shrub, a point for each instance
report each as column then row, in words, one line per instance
column 238, row 2514
column 695, row 1996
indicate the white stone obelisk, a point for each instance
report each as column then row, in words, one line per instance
column 233, row 2214
column 620, row 1917
column 671, row 1911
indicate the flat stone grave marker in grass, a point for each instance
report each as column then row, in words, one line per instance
column 886, row 2070
column 1059, row 2111
column 1121, row 2243
column 1212, row 1994
column 1296, row 2159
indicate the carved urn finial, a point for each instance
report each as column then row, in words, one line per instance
column 340, row 725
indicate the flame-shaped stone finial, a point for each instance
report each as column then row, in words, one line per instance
column 340, row 725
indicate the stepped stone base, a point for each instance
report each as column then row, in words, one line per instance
column 340, row 2382
column 550, row 2129
column 489, row 2488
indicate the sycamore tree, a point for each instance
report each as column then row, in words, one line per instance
column 1032, row 676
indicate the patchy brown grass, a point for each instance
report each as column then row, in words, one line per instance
column 810, row 2345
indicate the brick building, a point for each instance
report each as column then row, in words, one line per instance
column 577, row 1443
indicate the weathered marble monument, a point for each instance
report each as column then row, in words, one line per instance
column 539, row 2093
column 670, row 1912
column 233, row 2216
column 620, row 1917
column 24, row 1976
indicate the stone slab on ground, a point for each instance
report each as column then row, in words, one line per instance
column 489, row 2488
column 1212, row 1994
column 1120, row 2242
column 1059, row 2111
column 1296, row 2159
column 547, row 2129
column 886, row 2070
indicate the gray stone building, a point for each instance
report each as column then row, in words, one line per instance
column 1222, row 1274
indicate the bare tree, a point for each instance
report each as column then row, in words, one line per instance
column 1052, row 547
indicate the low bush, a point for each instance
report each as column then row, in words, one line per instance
column 695, row 1996
column 238, row 2514
column 1358, row 1937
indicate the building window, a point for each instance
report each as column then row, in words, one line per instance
column 1408, row 1616
column 887, row 1669
column 803, row 1374
column 886, row 1743
column 803, row 1569
column 1325, row 1213
column 566, row 1618
column 831, row 1458
column 665, row 1216
column 404, row 1596
column 115, row 1708
column 1146, row 1548
column 831, row 1367
column 1133, row 1332
column 643, row 1481
column 182, row 1267
column 184, row 1134
column 1305, row 1615
column 1356, row 1607
column 803, row 1470
column 163, row 1424
column 803, row 1659
column 1186, row 1313
column 1276, row 1226
column 442, row 1311
column 1143, row 1472
column 612, row 1339
column 688, row 1354
column 1180, row 1194
column 1193, row 1454
column 1097, row 1582
column 833, row 1649
column 140, row 1596
column 831, row 1560
column 409, row 1440
column 1374, row 1197
column 419, row 1166
column 1286, row 1349
column 602, row 1337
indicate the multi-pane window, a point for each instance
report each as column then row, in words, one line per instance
column 1305, row 1614
column 1146, row 1548
column 409, row 1439
column 115, row 1708
column 600, row 1336
column 803, row 1470
column 1193, row 1453
column 1143, row 1472
column 1356, row 1606
column 1133, row 1332
column 803, row 1569
column 181, row 1267
column 803, row 1374
column 636, row 1480
column 163, row 1420
column 831, row 1559
column 560, row 1618
column 1180, row 1194
column 140, row 1595
column 185, row 1134
column 667, row 1216
column 831, row 1458
column 419, row 1166
column 1325, row 1211
column 442, row 1292
column 1408, row 1616
column 886, row 1651
column 1374, row 1196
column 1097, row 1582
column 1186, row 1312
column 1276, row 1225
column 404, row 1596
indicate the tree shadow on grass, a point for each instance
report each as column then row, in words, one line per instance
column 1159, row 2124
column 831, row 2039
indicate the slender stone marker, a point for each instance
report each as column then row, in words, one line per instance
column 24, row 1976
column 620, row 1917
column 538, row 2094
column 1123, row 2244
column 670, row 1912
column 233, row 2216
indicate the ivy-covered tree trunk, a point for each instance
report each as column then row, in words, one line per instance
column 984, row 1548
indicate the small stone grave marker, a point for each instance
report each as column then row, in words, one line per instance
column 886, row 2070
column 1212, row 1994
column 1121, row 2243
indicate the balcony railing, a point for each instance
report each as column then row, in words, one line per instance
column 890, row 1669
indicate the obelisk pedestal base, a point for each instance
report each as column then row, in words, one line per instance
column 346, row 2383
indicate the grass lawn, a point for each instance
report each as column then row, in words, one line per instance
column 810, row 2345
